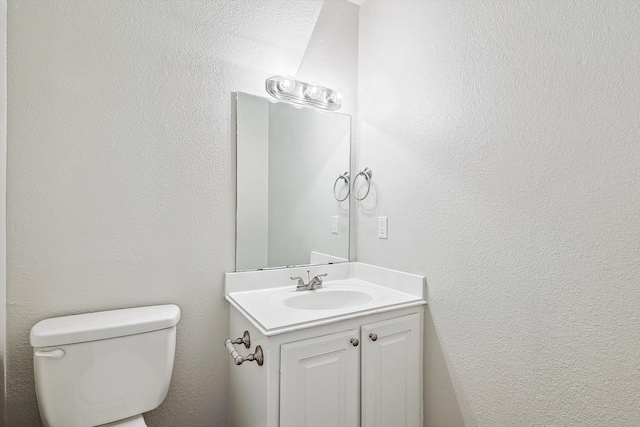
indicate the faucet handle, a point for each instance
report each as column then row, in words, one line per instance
column 317, row 280
column 300, row 281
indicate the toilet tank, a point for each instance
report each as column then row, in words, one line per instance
column 96, row 368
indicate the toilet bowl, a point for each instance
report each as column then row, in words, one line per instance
column 105, row 368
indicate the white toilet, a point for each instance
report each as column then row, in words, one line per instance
column 104, row 368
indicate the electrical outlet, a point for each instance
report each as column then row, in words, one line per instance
column 382, row 227
column 334, row 224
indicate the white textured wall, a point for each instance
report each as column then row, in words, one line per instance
column 3, row 199
column 121, row 180
column 504, row 140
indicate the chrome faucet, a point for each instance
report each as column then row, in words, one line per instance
column 315, row 283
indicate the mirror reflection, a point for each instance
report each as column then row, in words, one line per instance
column 292, row 166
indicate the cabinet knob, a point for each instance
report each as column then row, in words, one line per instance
column 355, row 342
column 373, row 336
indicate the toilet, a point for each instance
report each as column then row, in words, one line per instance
column 105, row 368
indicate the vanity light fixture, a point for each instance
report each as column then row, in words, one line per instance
column 286, row 88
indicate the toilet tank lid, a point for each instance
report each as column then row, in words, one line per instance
column 103, row 325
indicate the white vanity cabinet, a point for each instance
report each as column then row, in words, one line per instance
column 346, row 355
column 365, row 371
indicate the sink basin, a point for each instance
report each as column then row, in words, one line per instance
column 327, row 299
column 334, row 296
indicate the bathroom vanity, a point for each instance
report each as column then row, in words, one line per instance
column 347, row 354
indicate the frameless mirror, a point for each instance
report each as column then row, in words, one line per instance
column 291, row 165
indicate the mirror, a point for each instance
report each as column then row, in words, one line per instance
column 289, row 166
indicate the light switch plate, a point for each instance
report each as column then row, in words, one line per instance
column 382, row 227
column 334, row 224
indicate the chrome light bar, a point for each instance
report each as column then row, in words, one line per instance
column 288, row 89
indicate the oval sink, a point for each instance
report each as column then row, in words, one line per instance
column 327, row 299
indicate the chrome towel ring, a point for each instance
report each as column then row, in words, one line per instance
column 344, row 176
column 367, row 174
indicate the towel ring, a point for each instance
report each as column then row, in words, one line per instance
column 367, row 174
column 344, row 176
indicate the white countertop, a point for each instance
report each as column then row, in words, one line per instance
column 265, row 304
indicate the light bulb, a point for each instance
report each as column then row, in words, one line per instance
column 334, row 97
column 286, row 84
column 313, row 91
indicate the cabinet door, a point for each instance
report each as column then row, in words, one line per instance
column 320, row 382
column 391, row 373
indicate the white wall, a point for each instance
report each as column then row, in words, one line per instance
column 3, row 204
column 503, row 137
column 121, row 188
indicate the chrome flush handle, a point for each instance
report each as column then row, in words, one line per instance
column 53, row 354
